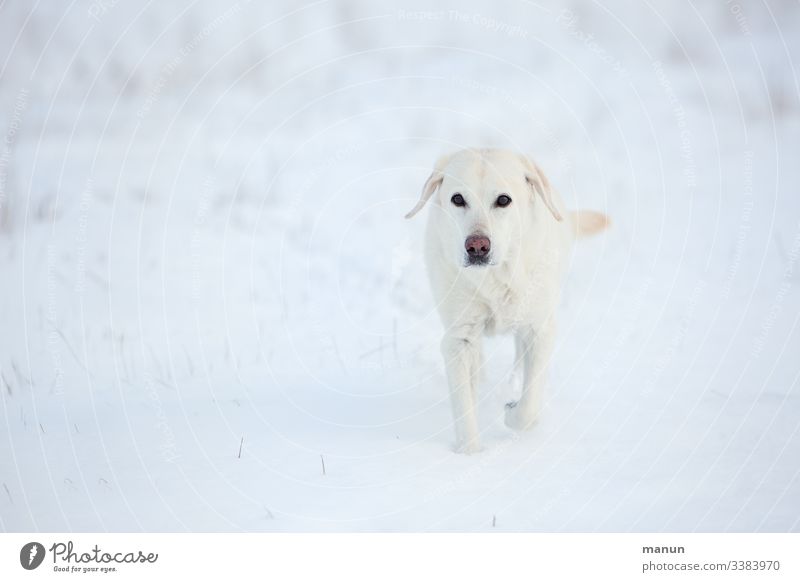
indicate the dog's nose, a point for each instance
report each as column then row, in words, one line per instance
column 478, row 245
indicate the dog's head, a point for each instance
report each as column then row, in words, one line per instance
column 485, row 200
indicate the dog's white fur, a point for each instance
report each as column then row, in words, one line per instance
column 517, row 292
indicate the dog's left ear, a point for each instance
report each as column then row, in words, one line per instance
column 541, row 186
column 431, row 185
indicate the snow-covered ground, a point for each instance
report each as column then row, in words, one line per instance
column 213, row 316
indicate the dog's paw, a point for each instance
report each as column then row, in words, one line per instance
column 468, row 447
column 519, row 419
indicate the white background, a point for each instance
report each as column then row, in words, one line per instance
column 202, row 249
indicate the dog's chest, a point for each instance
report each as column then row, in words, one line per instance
column 507, row 306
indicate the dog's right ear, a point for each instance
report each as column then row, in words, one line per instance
column 431, row 185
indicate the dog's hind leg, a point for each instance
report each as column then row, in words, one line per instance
column 461, row 356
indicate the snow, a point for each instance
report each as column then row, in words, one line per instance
column 202, row 248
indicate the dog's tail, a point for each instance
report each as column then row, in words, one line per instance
column 588, row 222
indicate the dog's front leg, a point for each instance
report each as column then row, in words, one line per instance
column 462, row 359
column 537, row 348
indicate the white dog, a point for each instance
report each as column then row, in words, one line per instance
column 496, row 241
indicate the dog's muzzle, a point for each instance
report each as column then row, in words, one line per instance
column 478, row 248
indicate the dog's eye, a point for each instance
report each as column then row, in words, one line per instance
column 503, row 200
column 458, row 200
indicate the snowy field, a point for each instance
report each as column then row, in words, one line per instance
column 214, row 317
